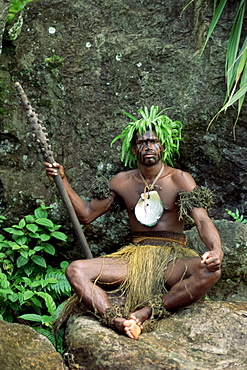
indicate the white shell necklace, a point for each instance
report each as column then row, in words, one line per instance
column 149, row 207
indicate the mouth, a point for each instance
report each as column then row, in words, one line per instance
column 149, row 155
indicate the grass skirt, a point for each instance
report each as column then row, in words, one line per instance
column 146, row 271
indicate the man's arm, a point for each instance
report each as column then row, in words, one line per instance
column 86, row 212
column 206, row 229
column 210, row 237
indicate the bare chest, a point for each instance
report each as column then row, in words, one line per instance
column 166, row 190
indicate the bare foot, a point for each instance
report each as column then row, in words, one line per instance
column 141, row 315
column 133, row 326
column 129, row 327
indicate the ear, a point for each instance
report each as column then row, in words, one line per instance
column 133, row 148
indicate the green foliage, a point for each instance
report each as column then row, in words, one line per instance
column 54, row 61
column 56, row 341
column 29, row 287
column 14, row 7
column 236, row 58
column 168, row 132
column 236, row 215
column 26, row 279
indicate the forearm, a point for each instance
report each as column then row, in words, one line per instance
column 209, row 235
column 211, row 238
column 206, row 229
column 86, row 212
column 79, row 205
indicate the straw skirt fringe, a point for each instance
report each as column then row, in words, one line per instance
column 146, row 270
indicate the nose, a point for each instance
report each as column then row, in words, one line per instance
column 149, row 144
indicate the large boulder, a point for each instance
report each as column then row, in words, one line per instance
column 210, row 335
column 22, row 348
column 197, row 337
column 81, row 63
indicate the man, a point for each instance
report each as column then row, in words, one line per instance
column 157, row 273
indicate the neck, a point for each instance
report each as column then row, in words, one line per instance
column 149, row 172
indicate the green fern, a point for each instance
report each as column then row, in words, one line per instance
column 56, row 340
column 62, row 287
column 46, row 333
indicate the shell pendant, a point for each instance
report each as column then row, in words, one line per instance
column 149, row 208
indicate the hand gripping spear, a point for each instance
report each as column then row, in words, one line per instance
column 42, row 140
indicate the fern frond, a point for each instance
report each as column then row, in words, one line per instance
column 62, row 287
column 46, row 333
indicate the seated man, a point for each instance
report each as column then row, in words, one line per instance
column 158, row 274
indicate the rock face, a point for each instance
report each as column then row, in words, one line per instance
column 81, row 63
column 211, row 335
column 22, row 348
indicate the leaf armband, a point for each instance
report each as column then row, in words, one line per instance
column 101, row 190
column 201, row 196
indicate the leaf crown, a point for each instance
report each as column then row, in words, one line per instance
column 167, row 131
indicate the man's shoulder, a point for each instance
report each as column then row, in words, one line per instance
column 176, row 172
column 182, row 179
column 122, row 177
column 125, row 174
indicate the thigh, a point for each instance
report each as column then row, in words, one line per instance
column 181, row 269
column 104, row 270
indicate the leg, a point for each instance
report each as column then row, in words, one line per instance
column 187, row 281
column 83, row 274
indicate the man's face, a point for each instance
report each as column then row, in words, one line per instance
column 148, row 148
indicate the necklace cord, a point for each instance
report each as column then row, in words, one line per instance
column 147, row 187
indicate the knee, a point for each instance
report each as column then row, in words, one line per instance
column 74, row 269
column 216, row 275
column 210, row 278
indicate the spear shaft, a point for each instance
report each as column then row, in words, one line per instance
column 42, row 140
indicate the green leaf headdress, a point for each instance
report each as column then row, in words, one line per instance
column 168, row 132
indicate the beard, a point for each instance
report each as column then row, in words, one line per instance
column 149, row 161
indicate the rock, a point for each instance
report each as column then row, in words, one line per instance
column 80, row 74
column 209, row 335
column 22, row 348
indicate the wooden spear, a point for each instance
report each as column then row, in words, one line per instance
column 42, row 140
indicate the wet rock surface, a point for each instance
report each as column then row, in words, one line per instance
column 22, row 348
column 205, row 336
column 81, row 64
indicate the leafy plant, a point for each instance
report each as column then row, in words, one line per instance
column 26, row 279
column 14, row 7
column 31, row 289
column 236, row 57
column 237, row 217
